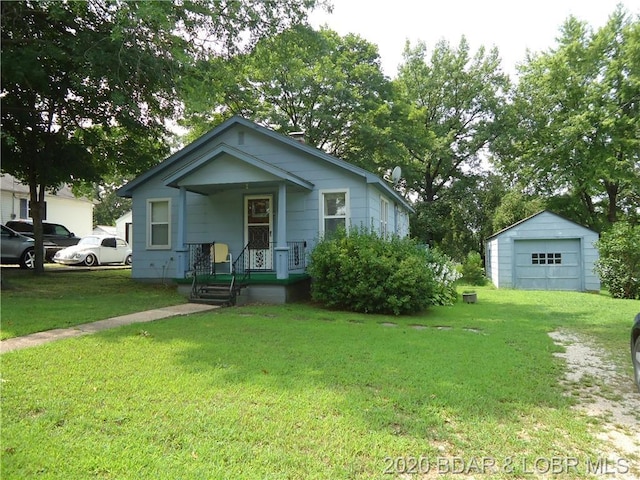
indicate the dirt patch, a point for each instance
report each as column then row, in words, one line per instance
column 605, row 393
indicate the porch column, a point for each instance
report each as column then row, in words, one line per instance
column 282, row 250
column 181, row 247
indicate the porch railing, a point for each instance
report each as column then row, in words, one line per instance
column 250, row 259
column 261, row 259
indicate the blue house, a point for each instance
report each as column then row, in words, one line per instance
column 246, row 201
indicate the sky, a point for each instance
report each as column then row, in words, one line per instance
column 511, row 25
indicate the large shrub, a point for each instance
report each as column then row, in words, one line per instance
column 365, row 273
column 619, row 263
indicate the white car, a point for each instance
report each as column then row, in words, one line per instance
column 95, row 250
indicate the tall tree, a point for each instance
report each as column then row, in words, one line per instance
column 444, row 117
column 462, row 218
column 576, row 119
column 73, row 72
column 303, row 79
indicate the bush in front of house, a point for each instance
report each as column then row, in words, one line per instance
column 619, row 262
column 473, row 270
column 362, row 272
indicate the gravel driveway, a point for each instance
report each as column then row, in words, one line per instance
column 603, row 392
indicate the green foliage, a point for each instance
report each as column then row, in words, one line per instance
column 573, row 126
column 447, row 104
column 299, row 80
column 515, row 206
column 473, row 270
column 445, row 274
column 619, row 262
column 87, row 86
column 459, row 222
column 363, row 272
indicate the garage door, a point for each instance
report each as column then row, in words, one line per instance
column 548, row 264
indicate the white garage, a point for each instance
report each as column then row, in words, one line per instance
column 543, row 252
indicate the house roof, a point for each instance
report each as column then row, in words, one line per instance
column 535, row 215
column 9, row 183
column 198, row 165
column 127, row 190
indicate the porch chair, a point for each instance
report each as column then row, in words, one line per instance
column 220, row 254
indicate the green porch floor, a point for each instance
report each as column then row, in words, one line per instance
column 256, row 278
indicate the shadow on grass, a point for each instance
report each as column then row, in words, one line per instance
column 298, row 392
column 488, row 362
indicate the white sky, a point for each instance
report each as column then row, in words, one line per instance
column 511, row 25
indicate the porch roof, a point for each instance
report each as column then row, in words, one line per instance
column 226, row 167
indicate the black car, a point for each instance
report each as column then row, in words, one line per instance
column 635, row 349
column 56, row 236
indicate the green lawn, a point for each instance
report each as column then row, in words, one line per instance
column 300, row 392
column 60, row 299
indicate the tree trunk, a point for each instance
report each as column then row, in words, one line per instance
column 612, row 192
column 37, row 214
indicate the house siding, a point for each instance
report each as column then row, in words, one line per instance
column 493, row 267
column 218, row 215
column 74, row 213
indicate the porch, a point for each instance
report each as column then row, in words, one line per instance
column 215, row 276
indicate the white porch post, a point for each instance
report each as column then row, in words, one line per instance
column 181, row 248
column 282, row 250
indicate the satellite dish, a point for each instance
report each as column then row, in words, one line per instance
column 396, row 174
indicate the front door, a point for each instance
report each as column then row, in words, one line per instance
column 258, row 221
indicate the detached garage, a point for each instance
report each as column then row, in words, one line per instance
column 543, row 252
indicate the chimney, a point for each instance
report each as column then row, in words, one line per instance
column 298, row 136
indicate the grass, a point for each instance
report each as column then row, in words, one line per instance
column 300, row 392
column 60, row 299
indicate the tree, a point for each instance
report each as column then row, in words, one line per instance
column 448, row 107
column 619, row 262
column 462, row 218
column 515, row 206
column 73, row 73
column 439, row 127
column 317, row 82
column 575, row 119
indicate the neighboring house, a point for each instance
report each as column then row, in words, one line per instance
column 124, row 227
column 268, row 196
column 61, row 207
column 543, row 252
column 105, row 230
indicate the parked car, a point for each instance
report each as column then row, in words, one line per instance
column 17, row 249
column 55, row 236
column 635, row 349
column 95, row 250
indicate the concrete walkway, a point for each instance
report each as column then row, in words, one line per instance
column 39, row 338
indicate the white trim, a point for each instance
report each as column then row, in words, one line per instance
column 260, row 259
column 384, row 217
column 323, row 217
column 150, row 202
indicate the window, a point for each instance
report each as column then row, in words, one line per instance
column 546, row 258
column 25, row 209
column 334, row 210
column 159, row 223
column 384, row 217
